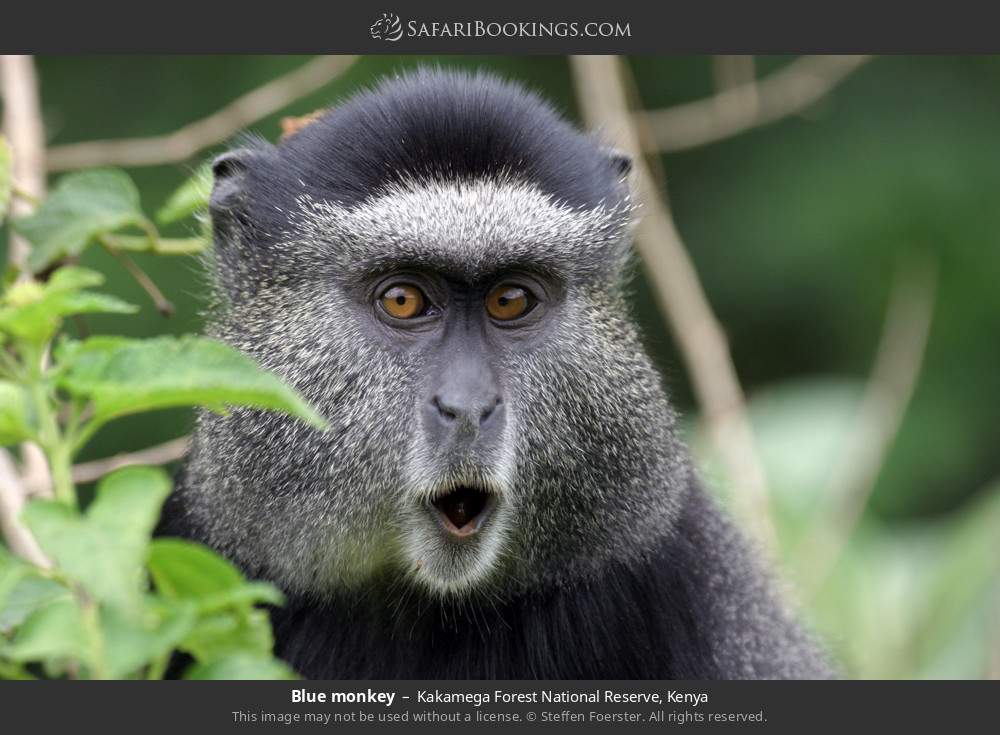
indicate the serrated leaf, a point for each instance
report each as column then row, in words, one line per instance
column 15, row 413
column 123, row 376
column 82, row 207
column 241, row 666
column 33, row 311
column 190, row 197
column 6, row 178
column 105, row 549
column 53, row 631
column 159, row 245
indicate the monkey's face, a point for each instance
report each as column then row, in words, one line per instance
column 491, row 411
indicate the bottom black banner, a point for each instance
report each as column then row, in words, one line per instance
column 625, row 706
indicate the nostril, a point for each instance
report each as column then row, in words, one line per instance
column 489, row 411
column 443, row 410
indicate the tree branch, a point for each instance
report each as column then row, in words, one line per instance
column 890, row 387
column 12, row 497
column 22, row 125
column 681, row 298
column 184, row 143
column 733, row 70
column 743, row 107
column 160, row 454
column 35, row 476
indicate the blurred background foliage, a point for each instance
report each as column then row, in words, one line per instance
column 796, row 230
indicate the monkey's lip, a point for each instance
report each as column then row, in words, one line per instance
column 463, row 511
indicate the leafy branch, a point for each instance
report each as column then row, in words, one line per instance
column 92, row 594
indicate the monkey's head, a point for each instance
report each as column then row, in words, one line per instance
column 437, row 265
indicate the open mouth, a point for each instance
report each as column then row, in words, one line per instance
column 463, row 510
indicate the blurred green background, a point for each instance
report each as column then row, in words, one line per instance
column 796, row 230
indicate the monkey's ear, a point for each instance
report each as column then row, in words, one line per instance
column 621, row 161
column 229, row 171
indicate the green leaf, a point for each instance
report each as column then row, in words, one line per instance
column 73, row 278
column 128, row 504
column 185, row 570
column 158, row 245
column 6, row 178
column 132, row 641
column 190, row 197
column 963, row 580
column 30, row 593
column 241, row 667
column 12, row 570
column 34, row 311
column 54, row 631
column 123, row 376
column 228, row 623
column 15, row 413
column 249, row 593
column 182, row 569
column 223, row 634
column 82, row 207
column 105, row 549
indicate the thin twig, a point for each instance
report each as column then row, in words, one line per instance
column 681, row 298
column 788, row 91
column 162, row 303
column 164, row 453
column 890, row 387
column 216, row 128
column 12, row 497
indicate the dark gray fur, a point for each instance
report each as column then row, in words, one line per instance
column 608, row 560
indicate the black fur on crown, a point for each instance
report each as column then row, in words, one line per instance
column 428, row 124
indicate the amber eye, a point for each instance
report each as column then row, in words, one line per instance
column 506, row 302
column 403, row 301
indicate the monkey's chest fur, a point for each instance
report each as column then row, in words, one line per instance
column 694, row 609
column 617, row 627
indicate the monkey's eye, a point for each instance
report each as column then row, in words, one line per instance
column 403, row 301
column 507, row 302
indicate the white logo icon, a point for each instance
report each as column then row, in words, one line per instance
column 387, row 28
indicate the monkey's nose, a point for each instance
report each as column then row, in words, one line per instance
column 477, row 413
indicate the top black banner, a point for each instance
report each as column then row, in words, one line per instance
column 394, row 27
